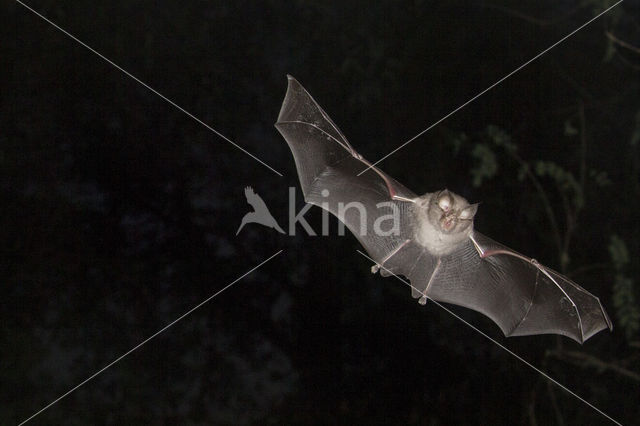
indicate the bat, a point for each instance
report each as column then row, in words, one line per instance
column 430, row 239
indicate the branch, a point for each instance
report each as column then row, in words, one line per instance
column 589, row 268
column 569, row 227
column 572, row 213
column 532, row 19
column 629, row 63
column 586, row 360
column 583, row 151
column 622, row 43
column 554, row 404
column 531, row 409
column 545, row 200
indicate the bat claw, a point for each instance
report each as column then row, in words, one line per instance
column 375, row 268
column 423, row 300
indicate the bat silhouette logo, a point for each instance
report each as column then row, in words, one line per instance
column 260, row 213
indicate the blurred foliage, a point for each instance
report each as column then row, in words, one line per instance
column 635, row 135
column 624, row 290
column 487, row 166
column 564, row 180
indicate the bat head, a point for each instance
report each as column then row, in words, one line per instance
column 449, row 213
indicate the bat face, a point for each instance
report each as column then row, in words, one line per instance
column 450, row 213
column 444, row 221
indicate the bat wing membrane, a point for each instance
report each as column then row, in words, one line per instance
column 520, row 295
column 328, row 169
column 557, row 304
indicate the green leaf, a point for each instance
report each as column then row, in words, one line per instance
column 458, row 141
column 501, row 138
column 600, row 178
column 487, row 165
column 618, row 252
column 569, row 129
column 624, row 294
column 564, row 179
column 635, row 135
column 624, row 301
column 522, row 172
column 610, row 51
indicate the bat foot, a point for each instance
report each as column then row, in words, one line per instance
column 375, row 268
column 423, row 300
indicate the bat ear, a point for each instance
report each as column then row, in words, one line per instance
column 444, row 200
column 469, row 212
column 443, row 193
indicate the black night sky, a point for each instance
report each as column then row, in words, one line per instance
column 119, row 211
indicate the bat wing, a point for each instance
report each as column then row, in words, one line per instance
column 519, row 294
column 328, row 169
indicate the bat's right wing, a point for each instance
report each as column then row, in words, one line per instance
column 328, row 169
column 519, row 294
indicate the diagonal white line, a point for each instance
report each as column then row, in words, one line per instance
column 500, row 345
column 493, row 85
column 142, row 83
column 55, row 401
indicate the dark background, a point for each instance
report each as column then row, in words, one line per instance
column 118, row 212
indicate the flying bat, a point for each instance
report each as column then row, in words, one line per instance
column 430, row 239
